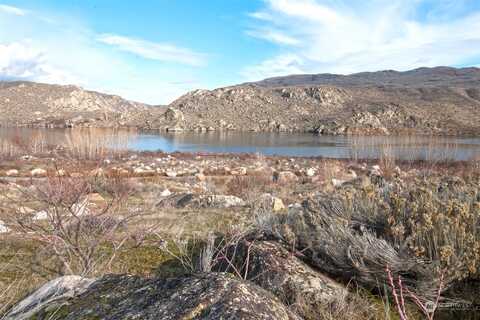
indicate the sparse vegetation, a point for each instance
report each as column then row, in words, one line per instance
column 89, row 217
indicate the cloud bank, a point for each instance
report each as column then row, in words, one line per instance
column 346, row 37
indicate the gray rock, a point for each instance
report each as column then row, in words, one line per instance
column 49, row 294
column 189, row 200
column 211, row 296
column 282, row 273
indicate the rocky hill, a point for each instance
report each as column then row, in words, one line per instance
column 45, row 105
column 432, row 101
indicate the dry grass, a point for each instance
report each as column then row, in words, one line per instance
column 94, row 144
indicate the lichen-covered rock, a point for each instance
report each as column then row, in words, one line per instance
column 210, row 296
column 189, row 200
column 282, row 273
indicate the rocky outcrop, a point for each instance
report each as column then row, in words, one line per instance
column 277, row 270
column 211, row 296
column 429, row 101
column 45, row 105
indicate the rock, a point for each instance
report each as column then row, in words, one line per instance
column 173, row 115
column 165, row 193
column 221, row 201
column 310, row 172
column 240, row 171
column 36, row 304
column 12, row 173
column 286, row 177
column 171, row 174
column 176, row 201
column 189, row 200
column 273, row 203
column 212, row 296
column 3, row 227
column 40, row 215
column 280, row 272
column 143, row 171
column 38, row 172
column 27, row 157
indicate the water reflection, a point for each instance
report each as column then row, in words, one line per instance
column 398, row 147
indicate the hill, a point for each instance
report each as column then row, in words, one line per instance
column 438, row 100
column 46, row 105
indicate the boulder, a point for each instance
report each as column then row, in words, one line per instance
column 47, row 296
column 189, row 200
column 221, row 201
column 38, row 172
column 12, row 173
column 282, row 273
column 273, row 203
column 212, row 296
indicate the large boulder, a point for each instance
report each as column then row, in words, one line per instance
column 209, row 296
column 281, row 272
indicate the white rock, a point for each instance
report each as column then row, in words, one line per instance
column 3, row 227
column 63, row 287
column 12, row 173
column 40, row 215
column 171, row 174
column 337, row 182
column 165, row 193
column 310, row 172
column 38, row 172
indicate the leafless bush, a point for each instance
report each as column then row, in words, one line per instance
column 84, row 237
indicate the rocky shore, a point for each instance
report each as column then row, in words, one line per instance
column 234, row 236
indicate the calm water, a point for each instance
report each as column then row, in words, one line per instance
column 405, row 147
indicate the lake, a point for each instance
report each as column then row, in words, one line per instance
column 283, row 144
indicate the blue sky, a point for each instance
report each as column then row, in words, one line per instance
column 154, row 51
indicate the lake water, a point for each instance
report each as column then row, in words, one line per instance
column 309, row 145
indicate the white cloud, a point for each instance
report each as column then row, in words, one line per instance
column 332, row 36
column 12, row 10
column 273, row 36
column 155, row 51
column 57, row 48
column 21, row 61
column 277, row 66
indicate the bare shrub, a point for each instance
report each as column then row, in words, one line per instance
column 83, row 237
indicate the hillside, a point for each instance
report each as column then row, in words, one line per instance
column 45, row 105
column 428, row 100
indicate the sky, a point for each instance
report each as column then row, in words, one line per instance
column 154, row 51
